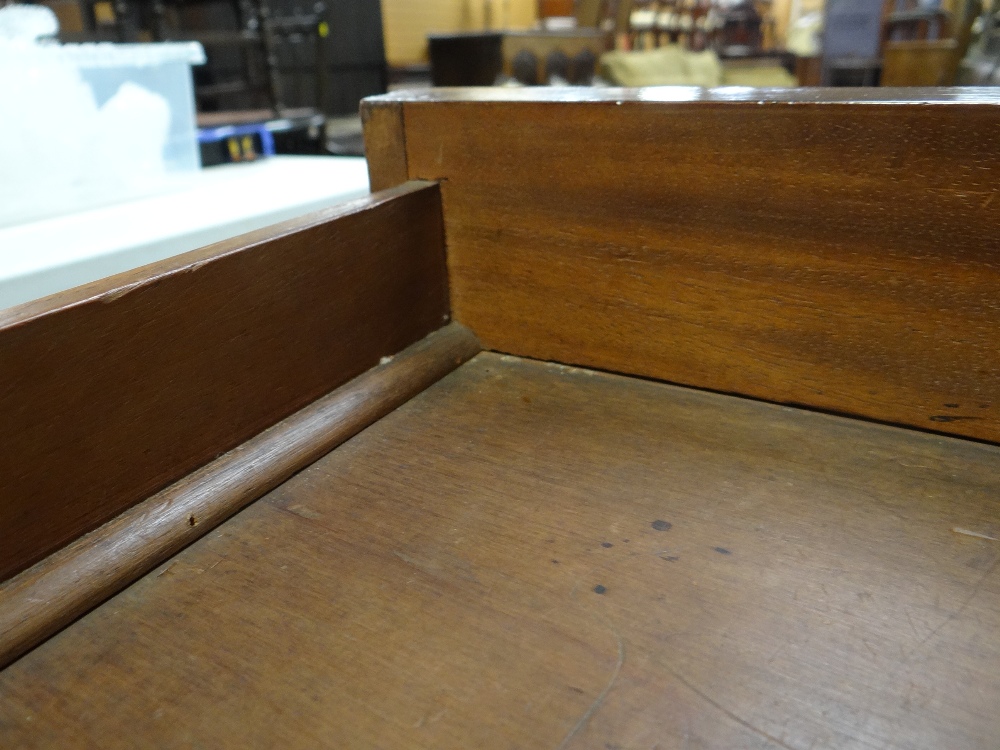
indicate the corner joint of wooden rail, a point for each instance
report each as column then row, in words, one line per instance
column 49, row 596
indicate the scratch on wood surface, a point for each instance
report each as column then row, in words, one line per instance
column 123, row 291
column 976, row 534
column 304, row 511
column 719, row 707
column 912, row 626
column 582, row 722
column 429, row 719
column 136, row 286
column 958, row 612
column 870, row 649
column 445, row 567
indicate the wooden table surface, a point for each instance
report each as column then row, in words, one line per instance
column 531, row 556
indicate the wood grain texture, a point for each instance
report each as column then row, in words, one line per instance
column 111, row 392
column 834, row 249
column 531, row 556
column 45, row 598
column 385, row 144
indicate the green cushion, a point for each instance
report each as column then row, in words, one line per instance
column 674, row 66
column 663, row 66
column 770, row 77
column 704, row 68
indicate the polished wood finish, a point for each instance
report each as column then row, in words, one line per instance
column 67, row 584
column 113, row 391
column 385, row 145
column 531, row 556
column 832, row 249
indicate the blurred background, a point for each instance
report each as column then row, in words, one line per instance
column 292, row 55
column 214, row 117
column 307, row 63
column 695, row 42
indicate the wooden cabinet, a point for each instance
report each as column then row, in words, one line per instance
column 693, row 441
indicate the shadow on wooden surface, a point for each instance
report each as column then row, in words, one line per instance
column 116, row 389
column 527, row 555
column 834, row 249
column 48, row 596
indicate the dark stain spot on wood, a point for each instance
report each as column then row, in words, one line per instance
column 606, row 545
column 670, row 558
column 599, row 589
column 526, row 399
column 661, row 525
column 951, row 406
column 948, row 418
column 624, row 541
column 722, row 550
column 555, row 562
column 575, row 689
column 192, row 521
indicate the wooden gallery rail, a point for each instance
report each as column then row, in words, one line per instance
column 664, row 418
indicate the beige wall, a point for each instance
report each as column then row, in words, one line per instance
column 407, row 22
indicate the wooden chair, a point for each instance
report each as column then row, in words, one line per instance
column 543, row 444
column 924, row 61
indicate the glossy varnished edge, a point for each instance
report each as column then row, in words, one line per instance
column 384, row 116
column 685, row 95
column 44, row 599
column 110, row 288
